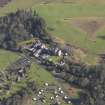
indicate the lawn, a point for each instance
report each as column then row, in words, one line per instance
column 6, row 58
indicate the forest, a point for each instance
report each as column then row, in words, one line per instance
column 20, row 26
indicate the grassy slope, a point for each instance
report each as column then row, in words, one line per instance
column 40, row 75
column 55, row 14
column 6, row 58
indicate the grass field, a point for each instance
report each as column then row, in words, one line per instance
column 6, row 58
column 40, row 75
column 60, row 16
column 56, row 15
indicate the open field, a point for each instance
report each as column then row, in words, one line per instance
column 59, row 16
column 60, row 20
column 6, row 58
column 39, row 75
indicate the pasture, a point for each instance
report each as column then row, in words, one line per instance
column 40, row 75
column 80, row 25
column 6, row 58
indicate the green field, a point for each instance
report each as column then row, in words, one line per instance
column 6, row 58
column 40, row 75
column 55, row 15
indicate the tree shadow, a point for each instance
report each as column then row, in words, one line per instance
column 102, row 37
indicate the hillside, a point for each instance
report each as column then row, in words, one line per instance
column 5, row 58
column 49, row 52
